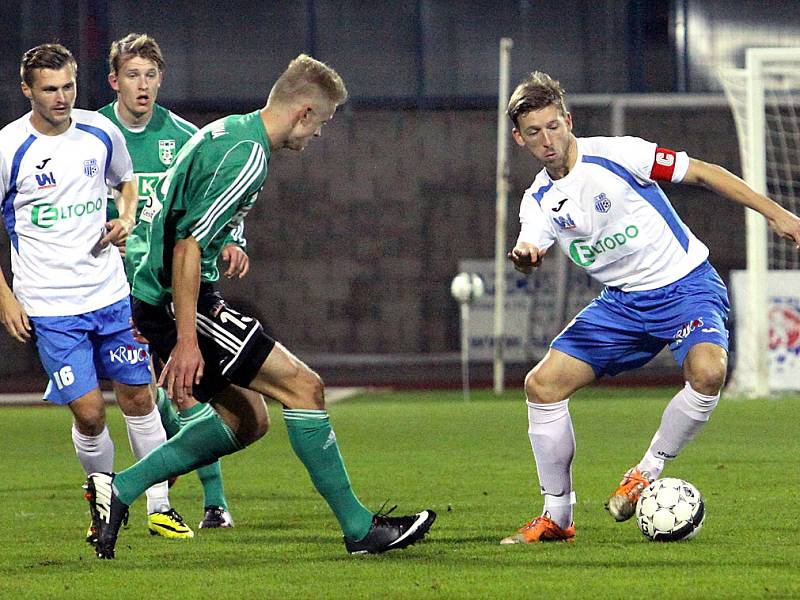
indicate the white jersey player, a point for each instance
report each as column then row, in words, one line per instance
column 54, row 210
column 598, row 198
column 70, row 291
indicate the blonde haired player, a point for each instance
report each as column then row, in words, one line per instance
column 598, row 198
column 211, row 188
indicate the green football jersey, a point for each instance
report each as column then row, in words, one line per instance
column 152, row 150
column 205, row 195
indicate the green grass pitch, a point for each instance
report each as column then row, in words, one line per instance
column 469, row 461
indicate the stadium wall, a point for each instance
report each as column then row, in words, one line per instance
column 354, row 242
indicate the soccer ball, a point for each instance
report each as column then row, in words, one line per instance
column 465, row 287
column 670, row 509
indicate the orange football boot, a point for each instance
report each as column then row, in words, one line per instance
column 622, row 503
column 541, row 529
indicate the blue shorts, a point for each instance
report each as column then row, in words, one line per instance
column 78, row 350
column 620, row 330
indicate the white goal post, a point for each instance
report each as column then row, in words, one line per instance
column 765, row 100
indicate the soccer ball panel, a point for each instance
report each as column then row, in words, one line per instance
column 670, row 509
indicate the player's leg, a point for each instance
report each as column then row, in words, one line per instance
column 93, row 444
column 216, row 512
column 146, row 433
column 67, row 357
column 250, row 422
column 126, row 362
column 691, row 314
column 301, row 391
column 204, row 436
column 66, row 354
column 548, row 387
column 689, row 410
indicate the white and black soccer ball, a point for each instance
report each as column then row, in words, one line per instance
column 669, row 510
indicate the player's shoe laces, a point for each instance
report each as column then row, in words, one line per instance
column 168, row 524
column 392, row 533
column 216, row 517
column 541, row 529
column 622, row 503
column 108, row 513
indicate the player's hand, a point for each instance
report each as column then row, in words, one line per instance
column 183, row 370
column 238, row 261
column 14, row 318
column 117, row 231
column 787, row 225
column 526, row 257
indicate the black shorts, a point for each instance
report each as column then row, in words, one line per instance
column 233, row 345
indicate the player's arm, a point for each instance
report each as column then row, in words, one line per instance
column 728, row 185
column 534, row 238
column 235, row 255
column 185, row 365
column 13, row 316
column 117, row 230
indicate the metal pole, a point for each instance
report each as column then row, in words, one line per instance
column 465, row 349
column 500, row 215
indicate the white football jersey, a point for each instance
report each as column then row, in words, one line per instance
column 54, row 209
column 610, row 216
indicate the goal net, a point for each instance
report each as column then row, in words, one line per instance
column 765, row 100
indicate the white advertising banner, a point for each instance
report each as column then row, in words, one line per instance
column 518, row 303
column 783, row 291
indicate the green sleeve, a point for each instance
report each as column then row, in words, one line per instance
column 215, row 196
column 236, row 236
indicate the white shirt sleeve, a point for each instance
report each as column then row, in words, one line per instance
column 643, row 159
column 121, row 167
column 681, row 167
column 534, row 227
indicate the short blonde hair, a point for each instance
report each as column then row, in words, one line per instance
column 535, row 92
column 306, row 75
column 45, row 56
column 134, row 45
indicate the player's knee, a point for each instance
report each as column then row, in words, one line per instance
column 136, row 400
column 316, row 390
column 308, row 391
column 707, row 379
column 91, row 424
column 538, row 387
column 253, row 431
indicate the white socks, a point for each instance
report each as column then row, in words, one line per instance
column 553, row 445
column 146, row 433
column 95, row 452
column 684, row 416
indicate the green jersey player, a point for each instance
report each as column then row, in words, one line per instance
column 153, row 136
column 213, row 184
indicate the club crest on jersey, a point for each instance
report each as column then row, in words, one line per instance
column 90, row 167
column 166, row 151
column 602, row 203
column 564, row 222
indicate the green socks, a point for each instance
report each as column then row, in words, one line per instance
column 203, row 438
column 213, row 490
column 314, row 442
column 169, row 416
column 211, row 475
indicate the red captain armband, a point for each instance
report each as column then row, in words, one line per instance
column 663, row 165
